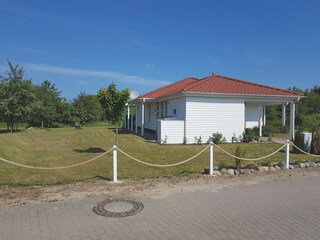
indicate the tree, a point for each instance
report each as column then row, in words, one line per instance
column 44, row 109
column 16, row 97
column 113, row 102
column 87, row 108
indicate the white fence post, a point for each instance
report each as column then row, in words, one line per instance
column 211, row 159
column 286, row 163
column 115, row 167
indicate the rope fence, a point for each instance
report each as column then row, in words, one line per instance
column 163, row 165
column 312, row 155
column 115, row 149
column 54, row 168
column 250, row 159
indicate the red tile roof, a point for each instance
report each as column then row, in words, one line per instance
column 219, row 85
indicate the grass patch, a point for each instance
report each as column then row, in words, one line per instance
column 65, row 146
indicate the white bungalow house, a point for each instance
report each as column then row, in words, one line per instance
column 195, row 107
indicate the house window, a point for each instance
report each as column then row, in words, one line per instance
column 174, row 111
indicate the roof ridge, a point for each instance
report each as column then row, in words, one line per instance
column 166, row 86
column 255, row 84
column 195, row 84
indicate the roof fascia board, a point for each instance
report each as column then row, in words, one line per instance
column 243, row 96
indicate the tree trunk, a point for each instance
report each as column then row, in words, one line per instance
column 117, row 140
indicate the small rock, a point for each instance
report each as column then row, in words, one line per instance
column 277, row 167
column 272, row 169
column 247, row 171
column 307, row 165
column 296, row 166
column 301, row 165
column 312, row 164
column 263, row 169
column 236, row 172
column 291, row 167
column 253, row 170
column 318, row 164
column 223, row 171
column 230, row 171
column 216, row 173
column 241, row 171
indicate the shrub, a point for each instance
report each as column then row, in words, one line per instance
column 184, row 141
column 315, row 144
column 222, row 164
column 198, row 140
column 239, row 153
column 250, row 134
column 218, row 138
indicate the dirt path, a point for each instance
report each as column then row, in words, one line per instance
column 14, row 196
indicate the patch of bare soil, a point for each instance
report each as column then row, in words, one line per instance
column 14, row 196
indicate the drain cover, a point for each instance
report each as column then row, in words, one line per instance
column 117, row 208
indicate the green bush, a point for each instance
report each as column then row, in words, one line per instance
column 218, row 138
column 239, row 153
column 250, row 134
column 223, row 164
column 315, row 144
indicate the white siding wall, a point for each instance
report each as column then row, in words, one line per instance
column 179, row 104
column 205, row 116
column 173, row 129
column 252, row 115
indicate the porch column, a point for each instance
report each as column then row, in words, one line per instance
column 264, row 115
column 131, row 127
column 260, row 120
column 142, row 117
column 128, row 118
column 136, row 127
column 283, row 115
column 292, row 119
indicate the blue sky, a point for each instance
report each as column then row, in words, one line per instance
column 82, row 45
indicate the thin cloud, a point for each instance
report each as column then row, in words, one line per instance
column 109, row 75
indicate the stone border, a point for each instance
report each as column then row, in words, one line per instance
column 272, row 168
column 100, row 210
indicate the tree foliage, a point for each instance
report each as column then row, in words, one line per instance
column 113, row 102
column 16, row 97
column 87, row 108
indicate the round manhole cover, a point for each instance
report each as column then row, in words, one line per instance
column 117, row 208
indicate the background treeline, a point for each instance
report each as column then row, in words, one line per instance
column 307, row 113
column 42, row 105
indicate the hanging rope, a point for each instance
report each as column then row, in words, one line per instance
column 163, row 165
column 313, row 155
column 55, row 168
column 249, row 159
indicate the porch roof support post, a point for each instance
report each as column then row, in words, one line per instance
column 142, row 117
column 264, row 115
column 136, row 125
column 128, row 117
column 260, row 120
column 131, row 127
column 283, row 115
column 292, row 119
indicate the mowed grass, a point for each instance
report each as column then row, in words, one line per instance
column 66, row 146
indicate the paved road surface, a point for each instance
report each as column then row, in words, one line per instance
column 283, row 209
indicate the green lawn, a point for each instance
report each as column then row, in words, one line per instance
column 65, row 146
